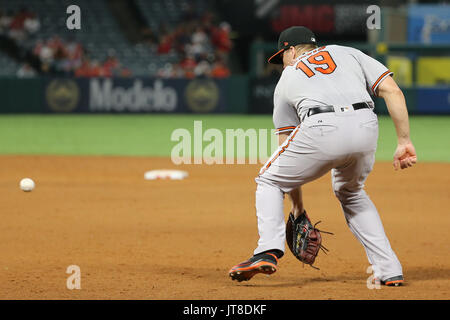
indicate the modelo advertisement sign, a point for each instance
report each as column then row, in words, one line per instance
column 106, row 95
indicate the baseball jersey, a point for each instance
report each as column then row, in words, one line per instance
column 329, row 75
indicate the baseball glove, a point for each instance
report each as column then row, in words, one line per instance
column 304, row 239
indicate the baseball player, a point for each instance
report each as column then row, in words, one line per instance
column 323, row 113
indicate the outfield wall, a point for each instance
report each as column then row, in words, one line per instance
column 237, row 94
column 122, row 95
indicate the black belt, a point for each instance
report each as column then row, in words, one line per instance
column 356, row 106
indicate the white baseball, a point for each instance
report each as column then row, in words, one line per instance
column 27, row 184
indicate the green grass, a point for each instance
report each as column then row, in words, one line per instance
column 149, row 135
column 430, row 135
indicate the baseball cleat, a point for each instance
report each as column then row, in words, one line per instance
column 393, row 282
column 265, row 263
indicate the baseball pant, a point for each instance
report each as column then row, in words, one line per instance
column 345, row 143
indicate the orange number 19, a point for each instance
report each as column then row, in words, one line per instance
column 323, row 60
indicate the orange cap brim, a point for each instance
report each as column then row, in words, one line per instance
column 276, row 58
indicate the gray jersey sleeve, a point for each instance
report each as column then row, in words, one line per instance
column 374, row 71
column 285, row 118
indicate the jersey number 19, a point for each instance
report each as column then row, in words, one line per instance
column 324, row 62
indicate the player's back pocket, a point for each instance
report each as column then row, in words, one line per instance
column 322, row 130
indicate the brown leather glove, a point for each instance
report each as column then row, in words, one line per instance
column 304, row 239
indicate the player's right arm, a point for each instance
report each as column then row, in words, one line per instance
column 405, row 155
column 285, row 118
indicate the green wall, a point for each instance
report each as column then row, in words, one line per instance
column 28, row 96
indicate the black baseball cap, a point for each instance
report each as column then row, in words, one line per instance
column 291, row 37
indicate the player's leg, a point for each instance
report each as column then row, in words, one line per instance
column 287, row 169
column 362, row 216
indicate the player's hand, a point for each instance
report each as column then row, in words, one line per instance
column 405, row 156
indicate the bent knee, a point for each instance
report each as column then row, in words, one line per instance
column 348, row 194
column 285, row 187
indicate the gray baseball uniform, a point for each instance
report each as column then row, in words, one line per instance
column 343, row 141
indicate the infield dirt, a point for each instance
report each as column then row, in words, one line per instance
column 137, row 239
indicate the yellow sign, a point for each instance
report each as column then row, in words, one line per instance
column 62, row 95
column 433, row 71
column 402, row 69
column 202, row 95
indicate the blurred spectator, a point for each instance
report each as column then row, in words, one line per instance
column 5, row 21
column 26, row 71
column 96, row 70
column 221, row 38
column 188, row 44
column 182, row 38
column 84, row 70
column 108, row 68
column 111, row 66
column 55, row 43
column 199, row 42
column 166, row 71
column 165, row 45
column 32, row 24
column 188, row 62
column 20, row 25
column 202, row 69
column 45, row 52
column 17, row 28
column 199, row 36
column 195, row 38
column 188, row 65
column 220, row 70
column 73, row 54
column 178, row 71
column 70, row 57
